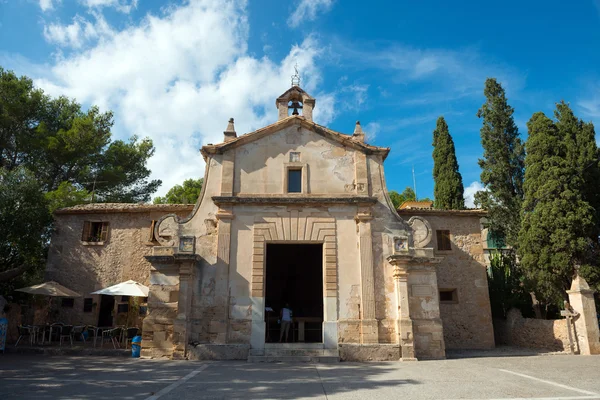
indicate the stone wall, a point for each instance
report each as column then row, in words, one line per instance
column 467, row 321
column 532, row 333
column 86, row 267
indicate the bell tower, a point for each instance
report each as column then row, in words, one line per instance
column 295, row 101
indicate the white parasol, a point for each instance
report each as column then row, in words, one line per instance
column 51, row 288
column 128, row 288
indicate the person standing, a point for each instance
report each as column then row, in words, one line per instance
column 286, row 320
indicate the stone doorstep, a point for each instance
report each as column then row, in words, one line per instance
column 293, row 359
column 295, row 352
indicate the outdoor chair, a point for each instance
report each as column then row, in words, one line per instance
column 77, row 332
column 113, row 335
column 55, row 331
column 24, row 331
column 66, row 333
column 92, row 331
column 130, row 333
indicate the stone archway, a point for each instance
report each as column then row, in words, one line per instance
column 295, row 226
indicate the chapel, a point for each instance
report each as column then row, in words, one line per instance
column 290, row 214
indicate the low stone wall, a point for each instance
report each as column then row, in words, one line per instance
column 531, row 333
column 369, row 352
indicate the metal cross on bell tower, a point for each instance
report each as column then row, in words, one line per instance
column 296, row 77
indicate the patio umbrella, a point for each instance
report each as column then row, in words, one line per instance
column 51, row 288
column 128, row 288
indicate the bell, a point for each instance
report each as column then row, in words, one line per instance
column 296, row 105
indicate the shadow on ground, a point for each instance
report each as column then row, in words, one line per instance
column 25, row 376
column 291, row 381
column 499, row 351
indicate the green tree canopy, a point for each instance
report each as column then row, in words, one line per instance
column 407, row 195
column 502, row 164
column 60, row 142
column 448, row 185
column 54, row 154
column 182, row 194
column 25, row 222
column 557, row 221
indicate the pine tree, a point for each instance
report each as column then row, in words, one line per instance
column 556, row 220
column 448, row 185
column 502, row 164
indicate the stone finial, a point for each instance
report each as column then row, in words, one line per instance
column 358, row 132
column 229, row 133
column 579, row 284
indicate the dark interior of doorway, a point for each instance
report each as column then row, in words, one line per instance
column 294, row 275
column 105, row 315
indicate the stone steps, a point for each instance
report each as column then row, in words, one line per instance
column 294, row 353
column 293, row 359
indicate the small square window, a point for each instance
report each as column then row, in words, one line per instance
column 443, row 240
column 448, row 296
column 67, row 302
column 94, row 231
column 87, row 304
column 294, row 181
column 122, row 308
column 295, row 156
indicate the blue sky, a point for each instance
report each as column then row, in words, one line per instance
column 177, row 70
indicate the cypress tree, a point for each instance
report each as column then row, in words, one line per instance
column 502, row 164
column 448, row 185
column 556, row 220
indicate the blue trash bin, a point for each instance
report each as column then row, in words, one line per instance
column 136, row 346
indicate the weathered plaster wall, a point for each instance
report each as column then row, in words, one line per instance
column 260, row 165
column 86, row 268
column 468, row 322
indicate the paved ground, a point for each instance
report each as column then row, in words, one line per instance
column 25, row 376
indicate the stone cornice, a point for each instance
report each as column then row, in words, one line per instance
column 173, row 259
column 224, row 200
column 412, row 262
column 346, row 140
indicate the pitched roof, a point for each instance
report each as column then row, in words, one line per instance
column 295, row 89
column 425, row 204
column 99, row 208
column 432, row 211
column 345, row 140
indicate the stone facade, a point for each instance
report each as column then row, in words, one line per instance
column 88, row 266
column 381, row 272
column 467, row 317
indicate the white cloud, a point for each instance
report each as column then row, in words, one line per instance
column 78, row 33
column 124, row 6
column 371, row 130
column 177, row 78
column 46, row 5
column 454, row 73
column 469, row 193
column 307, row 10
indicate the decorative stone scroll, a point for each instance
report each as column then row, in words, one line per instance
column 422, row 232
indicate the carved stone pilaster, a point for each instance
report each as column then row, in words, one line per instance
column 222, row 300
column 181, row 325
column 404, row 324
column 417, row 322
column 369, row 332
